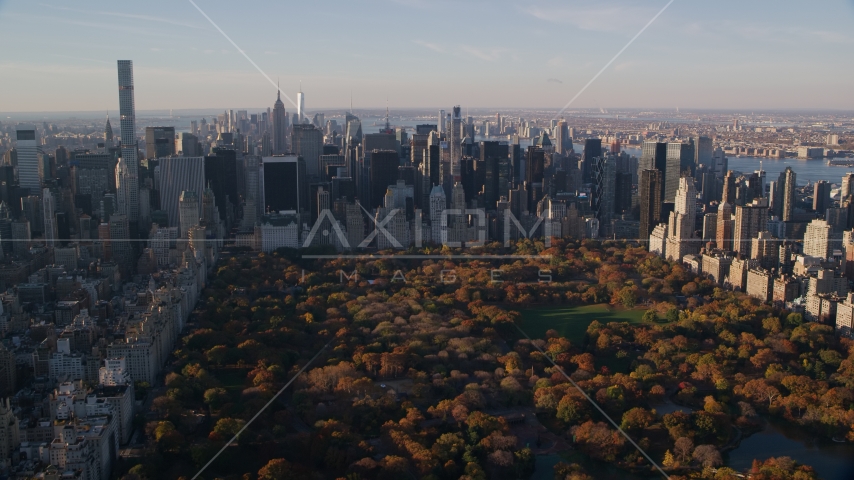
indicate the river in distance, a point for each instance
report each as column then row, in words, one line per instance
column 806, row 170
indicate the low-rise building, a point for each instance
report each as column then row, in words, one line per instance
column 277, row 231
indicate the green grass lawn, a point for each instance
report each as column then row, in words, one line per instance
column 233, row 379
column 572, row 321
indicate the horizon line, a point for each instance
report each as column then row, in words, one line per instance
column 681, row 110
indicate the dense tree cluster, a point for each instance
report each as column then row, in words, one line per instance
column 422, row 372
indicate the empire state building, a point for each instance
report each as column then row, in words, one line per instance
column 280, row 126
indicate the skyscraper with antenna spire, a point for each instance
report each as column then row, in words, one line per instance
column 280, row 124
column 300, row 104
column 387, row 128
column 352, row 138
column 108, row 132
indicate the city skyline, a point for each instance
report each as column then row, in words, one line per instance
column 442, row 292
column 423, row 58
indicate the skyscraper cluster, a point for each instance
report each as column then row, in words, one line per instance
column 155, row 197
column 97, row 238
column 107, row 239
column 778, row 241
column 295, row 173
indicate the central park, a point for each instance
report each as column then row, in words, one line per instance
column 423, row 379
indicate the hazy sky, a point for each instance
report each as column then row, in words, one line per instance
column 757, row 54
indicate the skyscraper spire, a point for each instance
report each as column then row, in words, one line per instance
column 108, row 130
column 300, row 104
column 279, row 119
column 387, row 125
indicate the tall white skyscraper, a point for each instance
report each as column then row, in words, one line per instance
column 28, row 158
column 817, row 239
column 49, row 209
column 300, row 104
column 441, row 123
column 128, row 137
column 680, row 239
column 686, row 199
